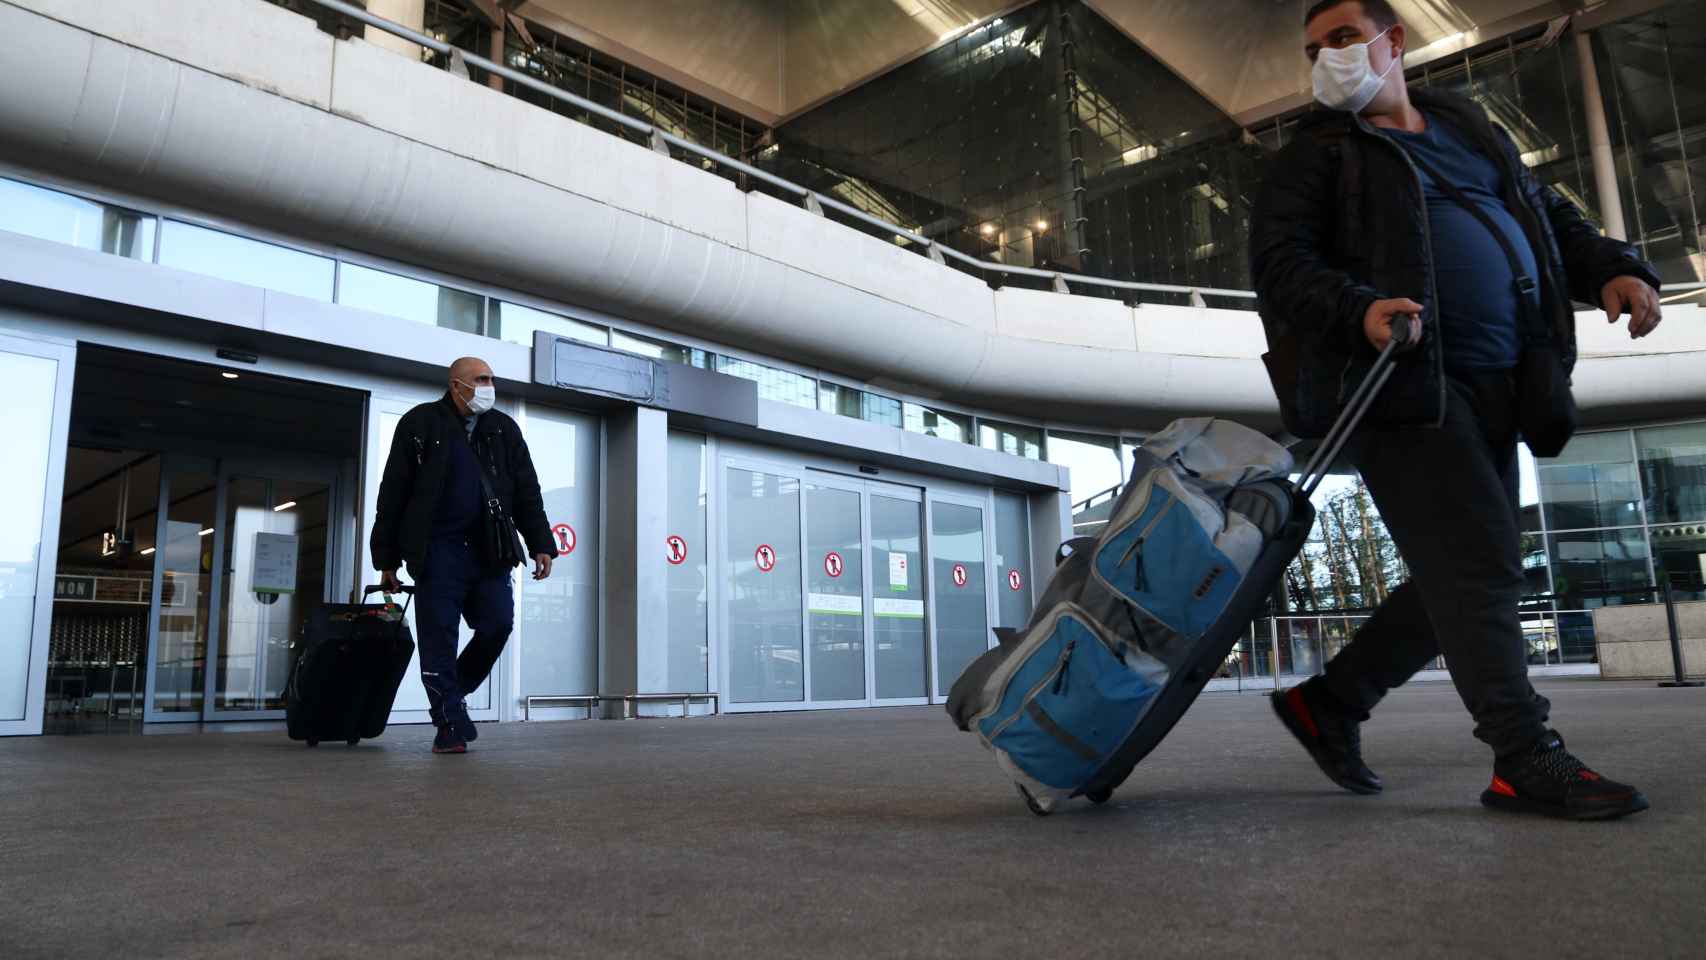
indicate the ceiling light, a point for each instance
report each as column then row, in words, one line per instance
column 286, row 505
column 206, row 531
column 1042, row 226
column 147, row 552
column 988, row 229
column 228, row 374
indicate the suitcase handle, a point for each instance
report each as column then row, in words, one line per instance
column 1361, row 400
column 407, row 588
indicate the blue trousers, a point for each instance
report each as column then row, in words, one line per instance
column 454, row 586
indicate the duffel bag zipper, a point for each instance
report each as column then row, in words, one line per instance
column 1054, row 676
column 1137, row 545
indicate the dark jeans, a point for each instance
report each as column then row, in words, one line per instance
column 1449, row 497
column 451, row 587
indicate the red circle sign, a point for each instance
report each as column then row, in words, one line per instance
column 959, row 575
column 1015, row 580
column 677, row 550
column 565, row 535
column 766, row 557
column 832, row 563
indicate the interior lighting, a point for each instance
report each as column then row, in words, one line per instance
column 227, row 374
column 148, row 552
column 1042, row 226
column 988, row 229
column 286, row 505
column 206, row 531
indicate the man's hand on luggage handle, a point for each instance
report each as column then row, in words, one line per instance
column 388, row 580
column 1377, row 322
column 1631, row 295
column 541, row 566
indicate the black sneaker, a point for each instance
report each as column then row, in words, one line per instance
column 1331, row 737
column 448, row 741
column 464, row 725
column 1548, row 779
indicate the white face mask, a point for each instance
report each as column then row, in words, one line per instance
column 1344, row 79
column 482, row 399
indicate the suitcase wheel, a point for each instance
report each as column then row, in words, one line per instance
column 313, row 742
column 1032, row 803
column 1099, row 796
column 352, row 741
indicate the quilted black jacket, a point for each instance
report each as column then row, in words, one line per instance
column 1341, row 222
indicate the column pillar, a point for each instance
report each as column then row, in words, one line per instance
column 634, row 589
column 408, row 13
column 1599, row 138
column 497, row 56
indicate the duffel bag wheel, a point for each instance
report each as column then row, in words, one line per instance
column 352, row 741
column 1032, row 803
column 312, row 742
column 1099, row 796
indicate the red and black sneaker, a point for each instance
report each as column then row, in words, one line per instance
column 447, row 740
column 1547, row 779
column 1332, row 737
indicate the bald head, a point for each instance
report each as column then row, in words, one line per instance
column 466, row 375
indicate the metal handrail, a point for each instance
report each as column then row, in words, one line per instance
column 1060, row 279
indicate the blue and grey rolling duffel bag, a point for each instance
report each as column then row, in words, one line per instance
column 1135, row 621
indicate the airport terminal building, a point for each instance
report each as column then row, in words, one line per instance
column 824, row 329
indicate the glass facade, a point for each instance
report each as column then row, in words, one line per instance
column 62, row 218
column 411, row 299
column 242, row 260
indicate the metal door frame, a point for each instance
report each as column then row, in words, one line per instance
column 64, row 354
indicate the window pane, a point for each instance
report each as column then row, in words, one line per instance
column 918, row 418
column 409, row 298
column 241, row 260
column 1679, row 552
column 897, row 597
column 1599, row 568
column 780, row 385
column 1591, row 484
column 858, row 404
column 62, row 218
column 1012, row 559
column 1094, row 462
column 835, row 608
column 514, row 323
column 1673, row 470
column 962, row 604
column 1011, row 439
column 659, row 350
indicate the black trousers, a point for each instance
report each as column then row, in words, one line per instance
column 451, row 588
column 1450, row 499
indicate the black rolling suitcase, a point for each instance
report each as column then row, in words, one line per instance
column 346, row 668
column 1135, row 621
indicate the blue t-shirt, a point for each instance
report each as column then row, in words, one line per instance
column 1477, row 313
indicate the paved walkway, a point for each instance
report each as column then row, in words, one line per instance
column 863, row 834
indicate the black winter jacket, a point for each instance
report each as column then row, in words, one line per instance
column 414, row 476
column 1341, row 222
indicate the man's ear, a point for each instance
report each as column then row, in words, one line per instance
column 1399, row 38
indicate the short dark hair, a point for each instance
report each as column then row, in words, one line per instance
column 1380, row 11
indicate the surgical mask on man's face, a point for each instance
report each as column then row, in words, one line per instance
column 1344, row 79
column 482, row 399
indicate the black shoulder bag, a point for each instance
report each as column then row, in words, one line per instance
column 1545, row 408
column 501, row 541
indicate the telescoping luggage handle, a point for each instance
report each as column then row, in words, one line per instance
column 406, row 589
column 1361, row 400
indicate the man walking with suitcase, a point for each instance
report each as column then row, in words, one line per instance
column 459, row 482
column 1399, row 206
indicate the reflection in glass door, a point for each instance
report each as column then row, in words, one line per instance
column 961, row 590
column 274, row 544
column 183, row 591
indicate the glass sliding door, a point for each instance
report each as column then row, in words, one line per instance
column 959, row 578
column 835, row 602
column 38, row 382
column 897, row 594
column 182, row 604
column 761, row 548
